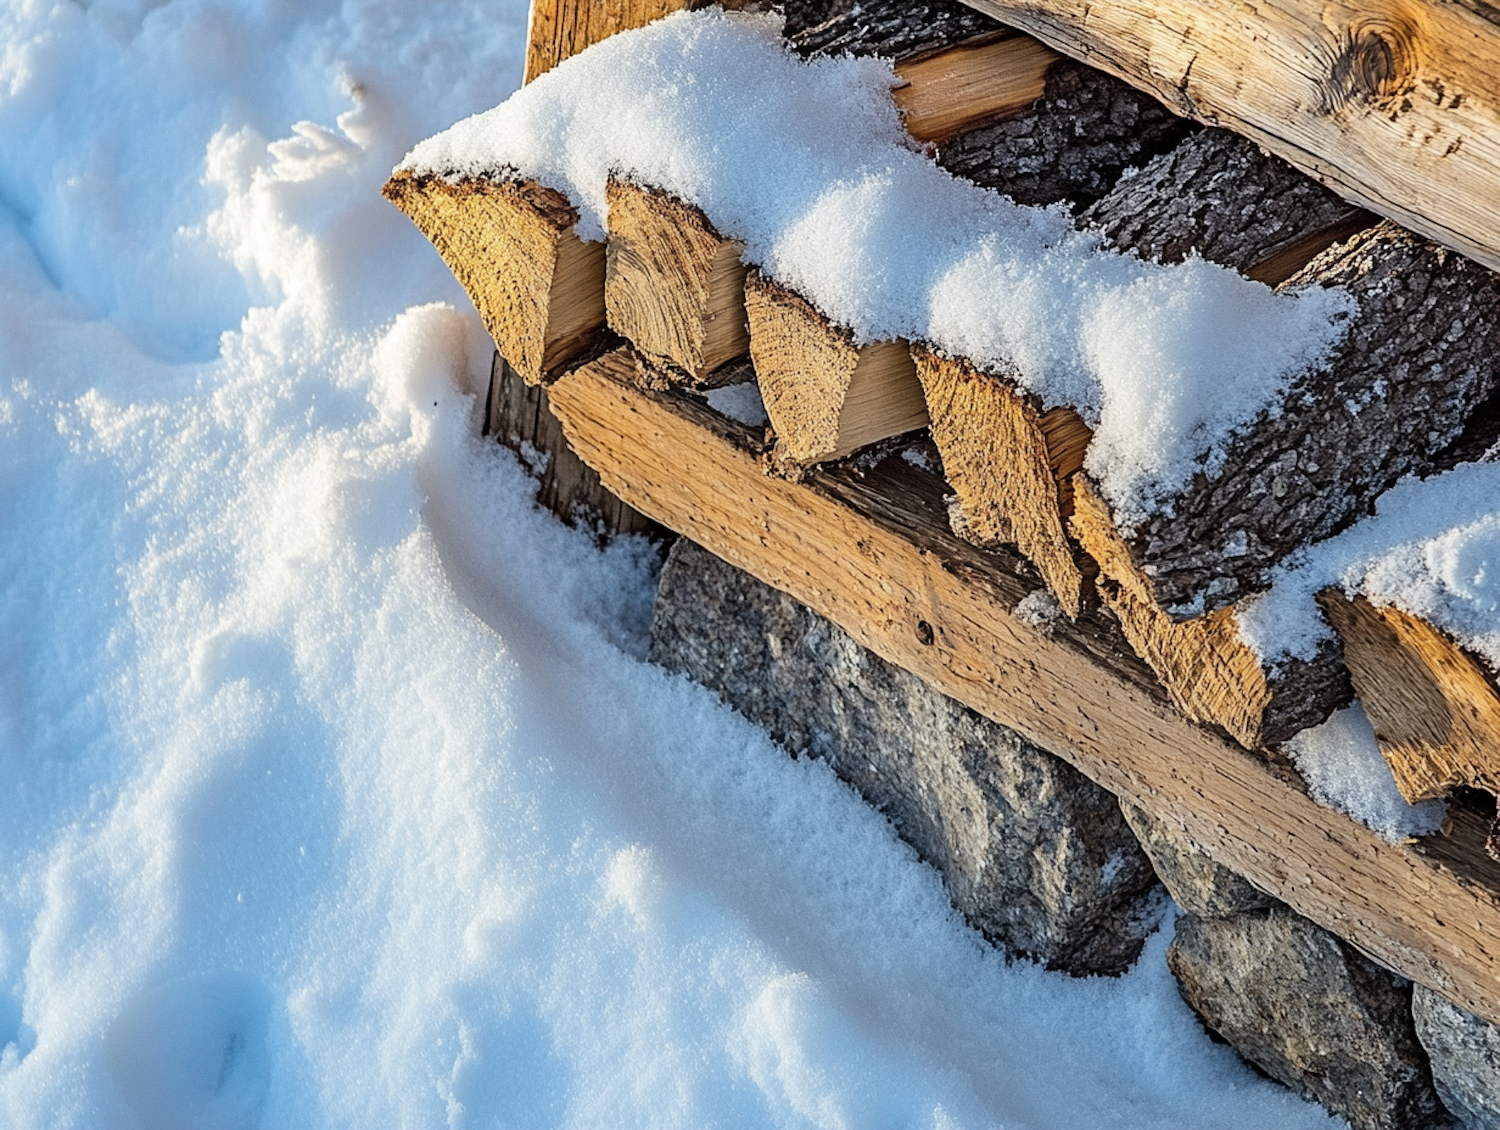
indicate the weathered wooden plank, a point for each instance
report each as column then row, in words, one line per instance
column 1395, row 105
column 558, row 29
column 873, row 553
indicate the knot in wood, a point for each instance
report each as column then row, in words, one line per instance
column 1374, row 66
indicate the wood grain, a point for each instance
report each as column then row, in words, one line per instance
column 1433, row 705
column 1392, row 104
column 873, row 553
column 969, row 84
column 559, row 29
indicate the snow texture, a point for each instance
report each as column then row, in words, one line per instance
column 739, row 402
column 1163, row 362
column 1344, row 769
column 335, row 792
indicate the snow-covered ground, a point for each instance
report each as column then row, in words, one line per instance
column 335, row 792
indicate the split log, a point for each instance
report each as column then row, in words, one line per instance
column 538, row 288
column 1211, row 674
column 971, row 84
column 1011, row 466
column 826, row 396
column 1408, row 392
column 1222, row 196
column 873, row 553
column 673, row 285
column 519, row 416
column 1433, row 704
column 1008, row 460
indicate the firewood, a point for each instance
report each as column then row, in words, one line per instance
column 1010, row 465
column 1433, row 704
column 673, row 285
column 971, row 84
column 826, row 396
column 1408, row 392
column 1223, row 197
column 538, row 288
column 1209, row 672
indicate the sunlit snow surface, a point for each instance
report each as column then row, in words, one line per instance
column 335, row 791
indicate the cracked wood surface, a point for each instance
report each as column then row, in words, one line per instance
column 871, row 550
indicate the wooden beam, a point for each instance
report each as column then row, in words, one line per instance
column 872, row 552
column 1394, row 106
column 971, row 84
column 826, row 396
column 538, row 288
column 559, row 29
column 1433, row 705
column 673, row 285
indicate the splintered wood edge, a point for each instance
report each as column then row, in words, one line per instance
column 538, row 288
column 559, row 29
column 970, row 84
column 1210, row 673
column 885, row 567
column 1009, row 466
column 1433, row 706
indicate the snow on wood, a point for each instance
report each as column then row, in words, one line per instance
column 673, row 285
column 512, row 244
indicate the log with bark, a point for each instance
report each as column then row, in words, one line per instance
column 1433, row 704
column 538, row 288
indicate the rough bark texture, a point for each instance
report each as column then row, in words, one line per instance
column 1221, row 195
column 887, row 28
column 1311, row 1012
column 1465, row 1053
column 1072, row 145
column 1418, row 366
column 1037, row 856
column 518, row 415
column 1196, row 883
column 1210, row 673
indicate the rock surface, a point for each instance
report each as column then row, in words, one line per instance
column 1311, row 1012
column 1199, row 886
column 1037, row 856
column 1465, row 1053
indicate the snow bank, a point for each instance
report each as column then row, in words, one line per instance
column 334, row 792
column 806, row 161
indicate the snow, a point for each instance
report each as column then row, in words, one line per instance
column 337, row 792
column 1344, row 769
column 1163, row 362
column 739, row 402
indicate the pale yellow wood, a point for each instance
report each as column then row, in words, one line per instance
column 947, row 92
column 1433, row 705
column 559, row 29
column 826, row 396
column 1394, row 105
column 673, row 285
column 882, row 564
column 1010, row 466
column 538, row 288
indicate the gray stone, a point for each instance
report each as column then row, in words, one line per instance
column 1036, row 856
column 1311, row 1012
column 1198, row 885
column 1465, row 1053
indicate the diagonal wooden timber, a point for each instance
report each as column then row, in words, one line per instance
column 873, row 553
column 1433, row 704
column 538, row 288
column 1393, row 105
